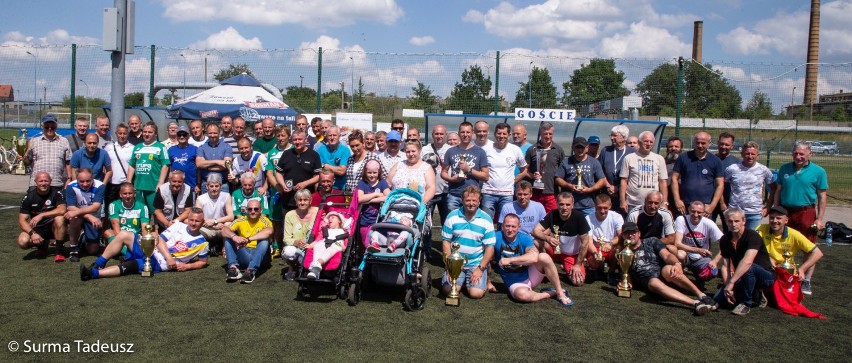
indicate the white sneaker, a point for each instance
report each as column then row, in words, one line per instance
column 314, row 273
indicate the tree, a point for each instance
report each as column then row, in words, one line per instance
column 472, row 94
column 422, row 97
column 540, row 86
column 301, row 98
column 759, row 107
column 168, row 99
column 94, row 102
column 135, row 99
column 705, row 92
column 597, row 81
column 839, row 114
column 232, row 70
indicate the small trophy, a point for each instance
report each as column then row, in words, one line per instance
column 148, row 241
column 789, row 263
column 556, row 249
column 455, row 263
column 462, row 160
column 538, row 184
column 21, row 146
column 625, row 261
column 579, row 179
column 228, row 167
column 599, row 253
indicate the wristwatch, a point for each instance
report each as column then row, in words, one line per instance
column 482, row 268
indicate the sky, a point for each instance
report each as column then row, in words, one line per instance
column 750, row 32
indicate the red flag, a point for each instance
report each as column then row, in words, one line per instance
column 788, row 295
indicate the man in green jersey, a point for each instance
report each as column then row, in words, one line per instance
column 246, row 193
column 148, row 165
column 127, row 213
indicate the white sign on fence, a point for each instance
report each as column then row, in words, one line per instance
column 407, row 112
column 359, row 121
column 545, row 114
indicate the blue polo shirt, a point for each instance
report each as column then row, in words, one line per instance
column 337, row 157
column 183, row 159
column 799, row 188
column 218, row 152
column 81, row 159
column 697, row 176
column 512, row 274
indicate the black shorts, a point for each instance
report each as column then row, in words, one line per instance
column 45, row 229
column 644, row 277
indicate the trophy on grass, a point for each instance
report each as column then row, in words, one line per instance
column 556, row 249
column 148, row 241
column 625, row 260
column 789, row 263
column 21, row 146
column 579, row 179
column 538, row 184
column 462, row 160
column 455, row 262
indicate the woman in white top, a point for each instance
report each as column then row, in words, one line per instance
column 413, row 170
column 218, row 212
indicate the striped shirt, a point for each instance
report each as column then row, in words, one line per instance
column 473, row 235
column 183, row 246
column 77, row 197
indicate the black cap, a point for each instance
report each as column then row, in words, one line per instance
column 579, row 140
column 629, row 227
column 778, row 209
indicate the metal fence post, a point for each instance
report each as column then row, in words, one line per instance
column 319, row 80
column 73, row 83
column 679, row 94
column 497, row 84
column 151, row 92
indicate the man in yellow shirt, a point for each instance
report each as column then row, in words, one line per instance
column 247, row 243
column 777, row 237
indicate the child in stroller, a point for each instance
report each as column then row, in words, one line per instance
column 334, row 233
column 394, row 239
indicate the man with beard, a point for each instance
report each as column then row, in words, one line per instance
column 724, row 145
column 673, row 149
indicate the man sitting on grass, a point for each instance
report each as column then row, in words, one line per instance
column 41, row 217
column 654, row 266
column 746, row 258
column 180, row 248
column 84, row 199
column 474, row 231
column 523, row 268
column 777, row 236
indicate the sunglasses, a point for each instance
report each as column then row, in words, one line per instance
column 49, row 127
column 398, row 128
column 253, row 209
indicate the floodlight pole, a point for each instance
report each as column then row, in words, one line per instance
column 529, row 85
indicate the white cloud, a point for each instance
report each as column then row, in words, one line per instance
column 421, row 41
column 643, row 41
column 333, row 53
column 229, row 38
column 277, row 12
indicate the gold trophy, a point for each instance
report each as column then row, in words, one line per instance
column 599, row 252
column 228, row 169
column 538, row 184
column 556, row 249
column 625, row 261
column 579, row 179
column 455, row 262
column 462, row 160
column 148, row 241
column 21, row 146
column 789, row 263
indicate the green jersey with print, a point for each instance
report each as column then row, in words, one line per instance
column 129, row 219
column 148, row 161
column 241, row 201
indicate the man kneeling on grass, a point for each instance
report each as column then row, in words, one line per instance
column 247, row 243
column 655, row 265
column 180, row 248
column 523, row 268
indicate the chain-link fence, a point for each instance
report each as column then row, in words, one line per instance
column 328, row 80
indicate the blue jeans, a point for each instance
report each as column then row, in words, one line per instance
column 492, row 204
column 453, row 202
column 246, row 257
column 753, row 220
column 755, row 278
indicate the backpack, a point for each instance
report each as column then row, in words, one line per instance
column 840, row 233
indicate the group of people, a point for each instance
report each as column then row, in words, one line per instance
column 514, row 207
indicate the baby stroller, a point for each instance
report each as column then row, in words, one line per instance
column 404, row 267
column 333, row 275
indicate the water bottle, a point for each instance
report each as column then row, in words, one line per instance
column 828, row 235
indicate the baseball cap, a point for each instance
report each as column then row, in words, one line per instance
column 183, row 128
column 778, row 209
column 629, row 227
column 594, row 140
column 580, row 141
column 394, row 136
column 48, row 118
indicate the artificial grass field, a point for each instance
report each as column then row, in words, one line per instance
column 196, row 316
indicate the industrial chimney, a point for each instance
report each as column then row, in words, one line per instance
column 697, row 36
column 812, row 70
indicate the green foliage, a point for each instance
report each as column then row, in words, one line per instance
column 167, row 99
column 540, row 86
column 759, row 107
column 303, row 99
column 839, row 114
column 422, row 98
column 596, row 81
column 472, row 94
column 705, row 92
column 81, row 102
column 135, row 99
column 659, row 90
column 232, row 70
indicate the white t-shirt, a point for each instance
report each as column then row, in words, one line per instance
column 119, row 157
column 197, row 143
column 501, row 169
column 213, row 209
column 183, row 246
column 643, row 174
column 606, row 229
column 705, row 232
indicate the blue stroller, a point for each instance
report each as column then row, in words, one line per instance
column 402, row 267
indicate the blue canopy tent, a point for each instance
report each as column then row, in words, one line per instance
column 241, row 96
